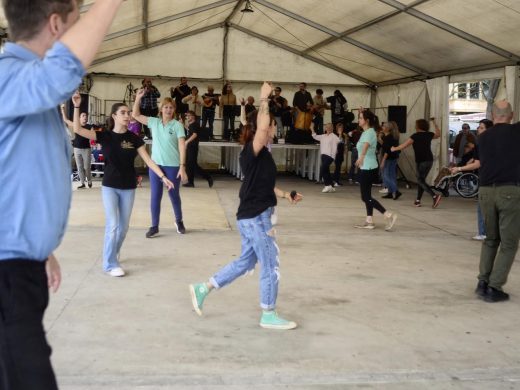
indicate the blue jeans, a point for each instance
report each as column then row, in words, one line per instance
column 258, row 244
column 480, row 219
column 390, row 175
column 156, row 191
column 208, row 116
column 118, row 209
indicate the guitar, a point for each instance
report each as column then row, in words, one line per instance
column 209, row 101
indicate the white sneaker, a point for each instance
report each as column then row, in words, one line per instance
column 327, row 189
column 479, row 237
column 383, row 191
column 365, row 225
column 116, row 272
column 390, row 221
column 336, row 184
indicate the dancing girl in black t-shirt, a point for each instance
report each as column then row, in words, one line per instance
column 257, row 199
column 120, row 147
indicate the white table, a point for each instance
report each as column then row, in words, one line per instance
column 304, row 160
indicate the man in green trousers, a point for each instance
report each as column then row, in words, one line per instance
column 499, row 199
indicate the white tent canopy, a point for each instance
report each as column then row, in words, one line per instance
column 372, row 42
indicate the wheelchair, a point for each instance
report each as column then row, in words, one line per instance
column 466, row 184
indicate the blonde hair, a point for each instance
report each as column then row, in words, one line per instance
column 394, row 129
column 165, row 101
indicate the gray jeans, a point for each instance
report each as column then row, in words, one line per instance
column 82, row 157
column 501, row 211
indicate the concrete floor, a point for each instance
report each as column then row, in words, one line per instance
column 376, row 309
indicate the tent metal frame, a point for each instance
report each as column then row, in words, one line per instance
column 400, row 8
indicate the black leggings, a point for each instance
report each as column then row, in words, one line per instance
column 366, row 178
column 423, row 168
column 192, row 166
column 326, row 161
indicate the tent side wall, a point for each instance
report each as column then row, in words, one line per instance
column 413, row 96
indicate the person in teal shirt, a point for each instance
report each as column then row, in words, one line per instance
column 169, row 153
column 368, row 171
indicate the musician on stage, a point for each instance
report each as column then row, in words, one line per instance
column 210, row 101
column 302, row 103
column 178, row 93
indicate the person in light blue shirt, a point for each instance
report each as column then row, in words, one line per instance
column 169, row 153
column 41, row 67
column 368, row 171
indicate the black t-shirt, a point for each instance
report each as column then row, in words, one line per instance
column 422, row 146
column 498, row 154
column 178, row 94
column 193, row 128
column 388, row 142
column 301, row 99
column 81, row 142
column 337, row 105
column 257, row 191
column 274, row 108
column 119, row 151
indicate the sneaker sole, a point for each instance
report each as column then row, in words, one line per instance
column 194, row 300
column 279, row 327
column 365, row 227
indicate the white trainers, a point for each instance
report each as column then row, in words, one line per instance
column 365, row 225
column 116, row 272
column 390, row 221
column 328, row 189
column 383, row 191
column 479, row 237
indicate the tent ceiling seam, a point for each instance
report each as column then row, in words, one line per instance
column 145, row 22
column 363, row 26
column 299, row 53
column 326, row 30
column 167, row 19
column 157, row 43
column 451, row 29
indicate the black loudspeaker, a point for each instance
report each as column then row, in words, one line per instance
column 82, row 108
column 398, row 115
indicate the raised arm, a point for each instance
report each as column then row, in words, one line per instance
column 90, row 134
column 263, row 119
column 67, row 121
column 437, row 133
column 85, row 45
column 136, row 110
column 243, row 118
column 317, row 137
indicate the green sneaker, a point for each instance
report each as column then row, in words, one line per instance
column 198, row 293
column 271, row 320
